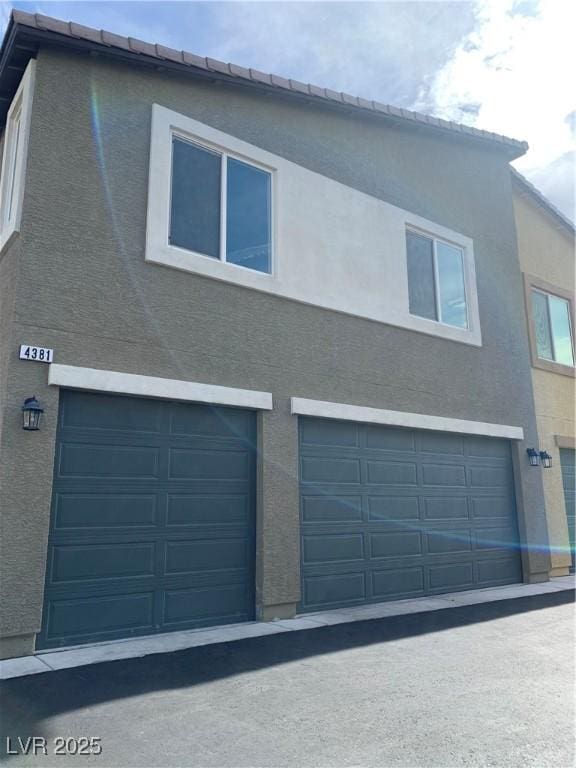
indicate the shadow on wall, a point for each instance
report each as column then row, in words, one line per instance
column 27, row 704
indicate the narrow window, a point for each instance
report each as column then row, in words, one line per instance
column 248, row 216
column 436, row 287
column 551, row 315
column 195, row 202
column 220, row 206
column 451, row 285
column 14, row 157
column 421, row 276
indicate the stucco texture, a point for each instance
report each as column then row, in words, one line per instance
column 90, row 295
column 546, row 251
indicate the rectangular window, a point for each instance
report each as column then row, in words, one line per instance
column 220, row 206
column 436, row 287
column 553, row 328
column 14, row 157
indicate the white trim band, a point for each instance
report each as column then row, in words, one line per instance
column 99, row 380
column 325, row 410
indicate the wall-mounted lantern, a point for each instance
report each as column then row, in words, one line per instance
column 533, row 457
column 546, row 459
column 31, row 414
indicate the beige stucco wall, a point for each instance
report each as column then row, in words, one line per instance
column 546, row 250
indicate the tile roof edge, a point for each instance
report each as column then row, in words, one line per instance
column 186, row 59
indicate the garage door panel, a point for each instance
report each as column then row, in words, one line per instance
column 444, row 475
column 332, row 434
column 82, row 411
column 493, row 507
column 389, row 439
column 206, row 555
column 77, row 619
column 487, row 448
column 339, row 547
column 392, row 508
column 436, row 442
column 213, row 605
column 453, row 540
column 334, row 589
column 499, row 571
column 489, row 477
column 70, row 563
column 452, row 576
column 447, row 508
column 331, row 509
column 496, row 538
column 187, row 419
column 117, row 461
column 330, row 470
column 138, row 514
column 397, row 544
column 416, row 525
column 216, row 509
column 83, row 511
column 185, row 463
column 391, row 473
column 398, row 583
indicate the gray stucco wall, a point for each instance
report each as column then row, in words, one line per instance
column 86, row 291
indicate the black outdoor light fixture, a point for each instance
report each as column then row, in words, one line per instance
column 31, row 414
column 535, row 457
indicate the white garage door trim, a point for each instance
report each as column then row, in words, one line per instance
column 99, row 380
column 325, row 410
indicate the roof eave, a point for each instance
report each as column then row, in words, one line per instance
column 529, row 190
column 23, row 37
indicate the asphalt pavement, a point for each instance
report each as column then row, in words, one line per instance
column 482, row 685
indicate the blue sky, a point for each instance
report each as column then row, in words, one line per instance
column 502, row 65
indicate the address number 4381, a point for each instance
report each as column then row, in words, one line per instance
column 37, row 354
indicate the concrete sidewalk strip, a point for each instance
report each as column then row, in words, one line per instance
column 563, row 582
column 473, row 597
column 129, row 648
column 22, row 666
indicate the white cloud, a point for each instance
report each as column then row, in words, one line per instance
column 514, row 75
column 502, row 65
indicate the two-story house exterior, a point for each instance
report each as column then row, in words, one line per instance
column 290, row 365
column 547, row 259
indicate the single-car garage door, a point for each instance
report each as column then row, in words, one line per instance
column 389, row 513
column 568, row 465
column 152, row 525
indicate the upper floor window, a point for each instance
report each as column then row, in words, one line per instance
column 220, row 206
column 552, row 327
column 14, row 157
column 436, row 287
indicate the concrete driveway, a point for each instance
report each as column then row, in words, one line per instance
column 482, row 685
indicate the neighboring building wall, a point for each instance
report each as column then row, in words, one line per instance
column 87, row 291
column 546, row 251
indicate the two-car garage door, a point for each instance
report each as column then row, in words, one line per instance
column 388, row 513
column 152, row 523
column 153, row 516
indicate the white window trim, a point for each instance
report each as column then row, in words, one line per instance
column 469, row 274
column 296, row 272
column 116, row 382
column 166, row 125
column 14, row 165
column 344, row 412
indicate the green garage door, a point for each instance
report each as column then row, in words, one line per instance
column 394, row 513
column 568, row 461
column 152, row 525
